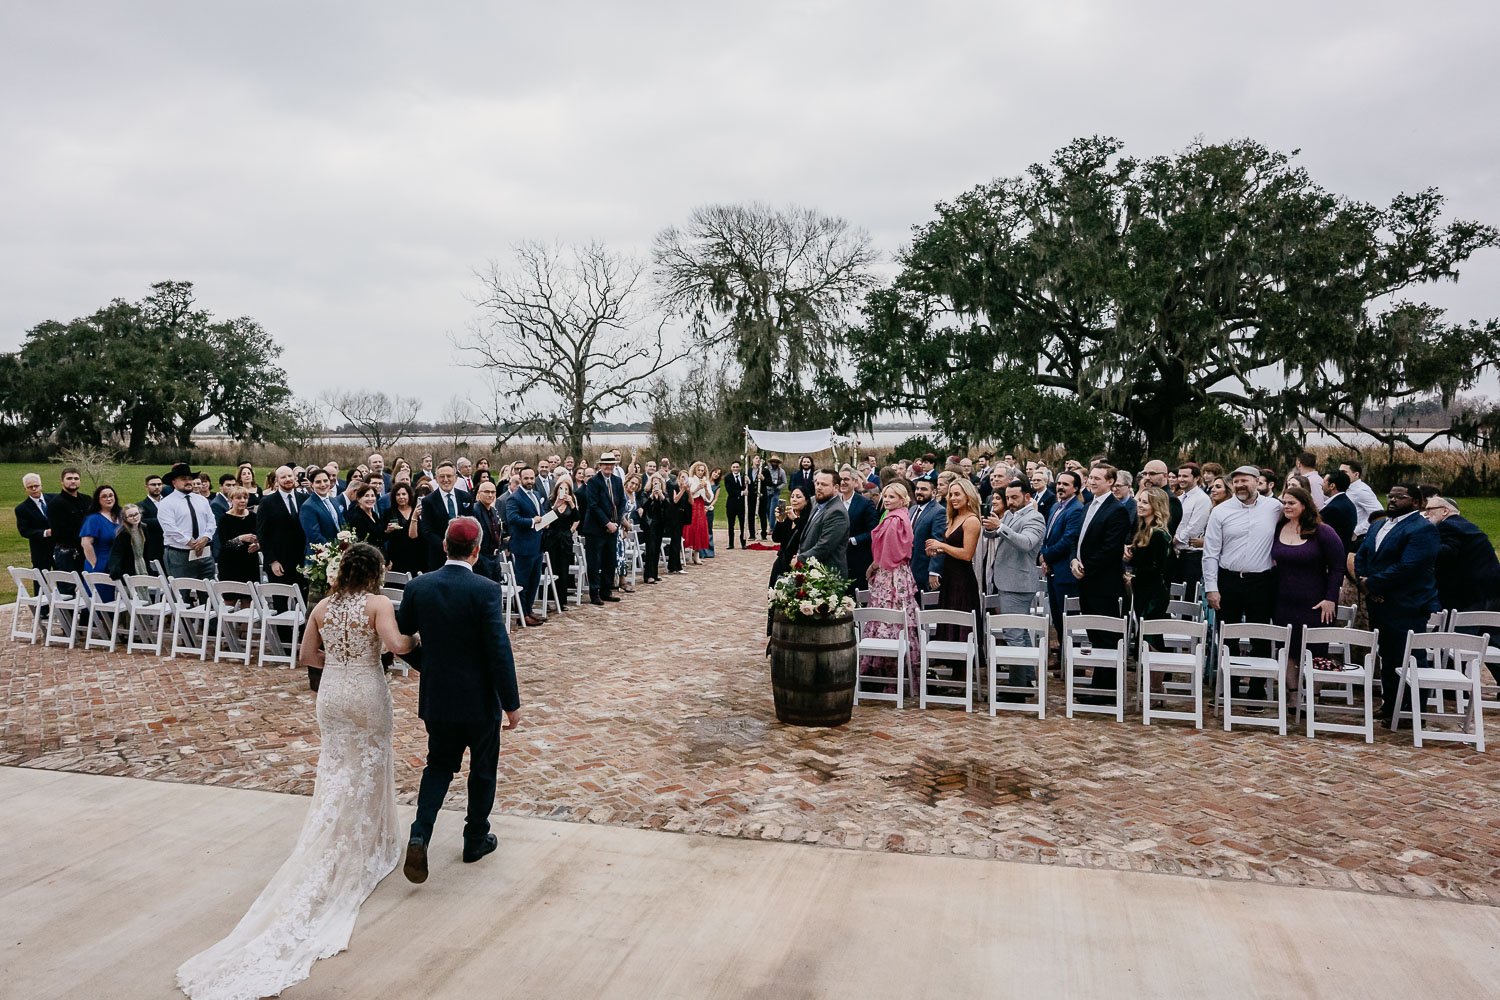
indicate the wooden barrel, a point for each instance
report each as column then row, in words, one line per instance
column 813, row 668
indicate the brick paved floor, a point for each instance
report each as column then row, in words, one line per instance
column 656, row 713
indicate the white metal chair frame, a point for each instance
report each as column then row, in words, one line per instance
column 148, row 603
column 272, row 650
column 1460, row 621
column 28, row 606
column 934, row 650
column 1454, row 662
column 1358, row 650
column 1034, row 656
column 102, row 627
column 1079, row 653
column 1268, row 668
column 235, row 622
column 65, row 611
column 1171, row 664
column 193, row 615
column 882, row 648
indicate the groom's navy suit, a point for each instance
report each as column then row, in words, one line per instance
column 468, row 678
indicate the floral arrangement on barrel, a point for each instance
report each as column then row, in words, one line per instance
column 322, row 566
column 810, row 590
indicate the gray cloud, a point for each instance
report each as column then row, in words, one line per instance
column 336, row 171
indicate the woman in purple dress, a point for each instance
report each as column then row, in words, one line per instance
column 891, row 584
column 1309, row 562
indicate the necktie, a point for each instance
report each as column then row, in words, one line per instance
column 332, row 511
column 452, row 508
column 291, row 503
column 193, row 516
column 42, row 503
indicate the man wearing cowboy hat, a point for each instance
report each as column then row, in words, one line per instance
column 772, row 481
column 187, row 528
column 603, row 501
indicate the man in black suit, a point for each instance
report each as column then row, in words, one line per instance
column 802, row 479
column 278, row 529
column 220, row 502
column 734, row 503
column 1339, row 512
column 603, row 502
column 490, row 530
column 152, row 498
column 31, row 521
column 438, row 508
column 468, row 679
column 1468, row 574
column 1098, row 566
column 862, row 521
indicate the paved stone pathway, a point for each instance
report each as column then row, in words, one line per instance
column 656, row 713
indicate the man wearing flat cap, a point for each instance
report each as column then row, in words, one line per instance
column 1237, row 576
column 603, row 503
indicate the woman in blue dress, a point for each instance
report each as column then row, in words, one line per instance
column 97, row 535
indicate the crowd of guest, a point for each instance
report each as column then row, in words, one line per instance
column 248, row 529
column 1258, row 546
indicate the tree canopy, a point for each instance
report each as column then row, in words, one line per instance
column 1214, row 300
column 145, row 372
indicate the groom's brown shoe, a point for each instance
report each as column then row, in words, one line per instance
column 416, row 862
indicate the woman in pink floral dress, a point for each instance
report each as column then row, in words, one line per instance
column 891, row 582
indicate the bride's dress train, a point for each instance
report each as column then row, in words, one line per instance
column 349, row 842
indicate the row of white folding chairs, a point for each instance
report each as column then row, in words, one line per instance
column 145, row 607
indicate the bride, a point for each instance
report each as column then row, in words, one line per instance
column 350, row 840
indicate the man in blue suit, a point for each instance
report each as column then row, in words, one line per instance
column 1397, row 572
column 523, row 509
column 468, row 679
column 1064, row 522
column 929, row 519
column 320, row 515
column 862, row 521
column 603, row 501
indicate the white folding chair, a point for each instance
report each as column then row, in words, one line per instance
column 1080, row 653
column 636, row 564
column 26, row 620
column 861, row 598
column 193, row 614
column 1181, row 666
column 547, row 585
column 273, row 649
column 104, row 616
column 880, row 648
column 237, row 615
column 934, row 650
column 580, row 572
column 1017, row 661
column 1487, row 624
column 1454, row 663
column 1355, row 650
column 67, row 607
column 396, row 580
column 150, row 613
column 1271, row 669
column 510, row 594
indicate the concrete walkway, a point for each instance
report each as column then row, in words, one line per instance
column 108, row 883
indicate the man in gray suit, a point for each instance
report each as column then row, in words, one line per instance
column 826, row 537
column 1017, row 544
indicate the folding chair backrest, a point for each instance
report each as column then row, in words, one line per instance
column 1188, row 611
column 396, row 579
column 394, row 593
column 930, row 599
column 941, row 616
column 862, row 597
column 1036, row 624
column 95, row 580
column 137, row 582
column 1348, row 638
column 1343, row 616
column 22, row 576
column 183, row 588
column 1071, row 606
column 1195, row 630
column 57, row 578
column 1438, row 643
column 233, row 589
column 270, row 592
column 1437, row 621
column 1473, row 619
column 888, row 616
column 1073, row 624
column 1254, row 630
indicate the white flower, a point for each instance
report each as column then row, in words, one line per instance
column 806, row 607
column 848, row 604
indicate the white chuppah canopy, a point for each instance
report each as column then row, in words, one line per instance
column 797, row 442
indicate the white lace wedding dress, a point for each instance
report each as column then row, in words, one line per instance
column 349, row 842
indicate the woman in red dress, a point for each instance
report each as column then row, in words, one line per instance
column 695, row 537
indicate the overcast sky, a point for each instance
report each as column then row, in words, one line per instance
column 336, row 171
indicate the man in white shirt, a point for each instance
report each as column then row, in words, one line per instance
column 1237, row 575
column 1364, row 499
column 1188, row 541
column 187, row 529
column 1307, row 468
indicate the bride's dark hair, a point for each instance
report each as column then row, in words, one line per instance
column 361, row 570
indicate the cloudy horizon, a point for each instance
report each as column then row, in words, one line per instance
column 337, row 173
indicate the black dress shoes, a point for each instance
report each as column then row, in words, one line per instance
column 473, row 852
column 415, row 868
column 612, row 599
column 597, row 600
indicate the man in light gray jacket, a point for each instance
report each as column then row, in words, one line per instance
column 1016, row 547
column 826, row 537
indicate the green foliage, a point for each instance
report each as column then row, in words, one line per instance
column 144, row 372
column 1211, row 301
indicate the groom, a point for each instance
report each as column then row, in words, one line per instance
column 468, row 676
